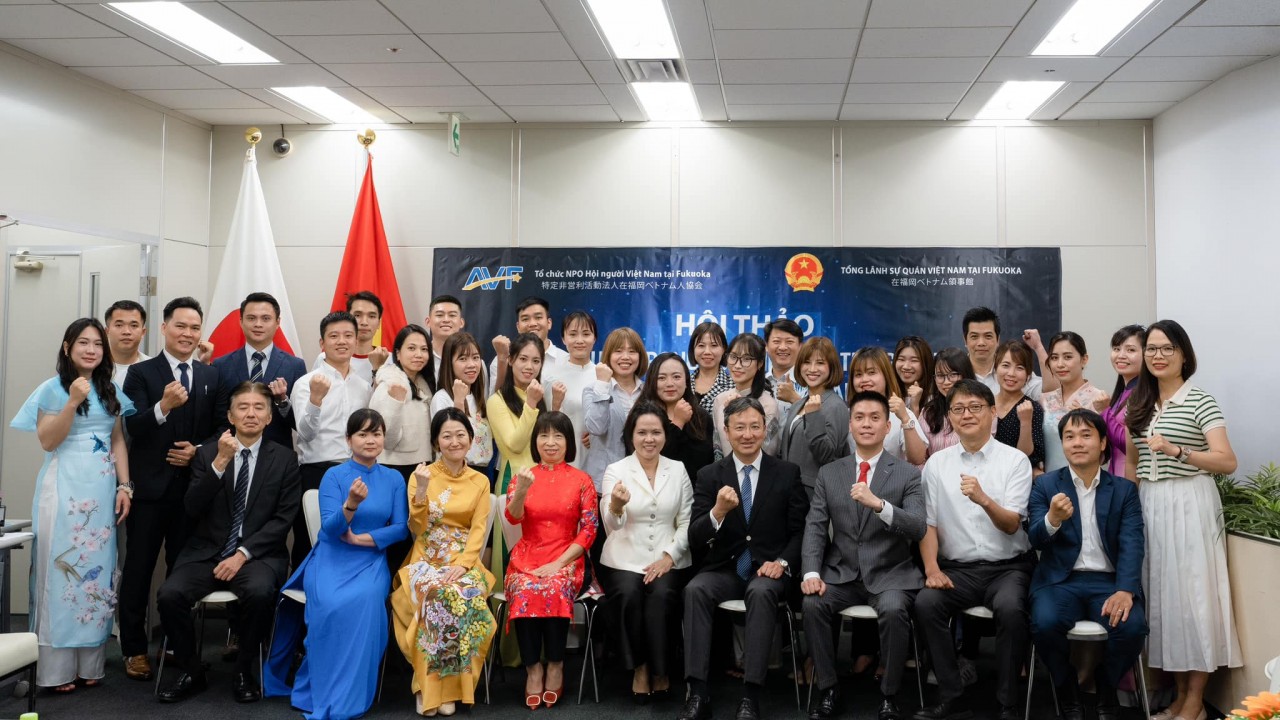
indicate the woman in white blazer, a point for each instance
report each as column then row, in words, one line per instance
column 645, row 504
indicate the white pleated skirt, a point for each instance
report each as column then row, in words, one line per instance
column 1185, row 577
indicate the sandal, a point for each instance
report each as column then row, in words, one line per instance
column 66, row 689
column 89, row 683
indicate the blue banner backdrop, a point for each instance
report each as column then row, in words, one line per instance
column 855, row 296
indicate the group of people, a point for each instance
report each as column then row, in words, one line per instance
column 915, row 483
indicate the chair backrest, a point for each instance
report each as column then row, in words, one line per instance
column 511, row 534
column 493, row 512
column 1273, row 672
column 311, row 512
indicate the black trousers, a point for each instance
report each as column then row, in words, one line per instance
column 1055, row 610
column 151, row 524
column 645, row 616
column 541, row 637
column 1002, row 588
column 704, row 593
column 821, row 615
column 310, row 474
column 255, row 586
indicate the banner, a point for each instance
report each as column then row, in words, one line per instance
column 855, row 296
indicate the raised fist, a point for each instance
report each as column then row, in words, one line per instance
column 79, row 390
column 726, row 500
column 175, row 396
column 534, row 393
column 319, row 386
column 604, row 373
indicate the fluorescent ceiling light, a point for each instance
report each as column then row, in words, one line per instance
column 636, row 29
column 667, row 100
column 188, row 28
column 327, row 104
column 1016, row 100
column 1089, row 26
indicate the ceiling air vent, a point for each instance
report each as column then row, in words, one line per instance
column 653, row 70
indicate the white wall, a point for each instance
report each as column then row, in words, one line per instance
column 1084, row 186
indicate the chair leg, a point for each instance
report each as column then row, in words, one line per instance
column 1031, row 680
column 1140, row 684
column 31, row 688
column 915, row 648
column 495, row 647
column 589, row 611
column 164, row 651
column 795, row 650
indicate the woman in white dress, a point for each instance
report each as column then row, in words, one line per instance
column 1177, row 441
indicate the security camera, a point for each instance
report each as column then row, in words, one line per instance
column 282, row 147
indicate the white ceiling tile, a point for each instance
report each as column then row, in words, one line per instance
column 740, row 72
column 159, row 77
column 946, row 13
column 623, row 102
column 489, row 47
column 791, row 93
column 563, row 113
column 1002, row 69
column 26, row 2
column 49, row 21
column 1063, row 100
column 264, row 116
column 509, row 95
column 264, row 76
column 765, row 44
column 1145, row 91
column 321, row 17
column 524, row 73
column 473, row 114
column 1188, row 41
column 931, row 42
column 891, row 111
column 325, row 49
column 906, row 93
column 576, row 27
column 702, row 71
column 1116, row 111
column 428, row 96
column 974, row 100
column 777, row 15
column 1183, row 68
column 827, row 112
column 1034, row 25
column 710, row 102
column 693, row 33
column 604, row 72
column 470, row 16
column 392, row 74
column 225, row 98
column 90, row 52
column 876, row 70
column 1235, row 12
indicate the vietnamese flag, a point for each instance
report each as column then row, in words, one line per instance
column 366, row 264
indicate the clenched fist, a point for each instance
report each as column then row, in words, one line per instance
column 534, row 393
column 681, row 414
column 558, row 390
column 397, row 392
column 319, row 387
column 227, row 447
column 356, row 495
column 460, row 392
column 502, row 346
column 787, row 391
column 618, row 498
column 913, row 396
column 604, row 373
column 1025, row 411
column 79, row 390
column 279, row 389
column 204, row 351
column 899, row 408
column 422, row 478
column 726, row 500
column 378, row 356
column 1102, row 403
column 813, row 404
column 524, row 481
column 175, row 396
column 972, row 489
column 1060, row 509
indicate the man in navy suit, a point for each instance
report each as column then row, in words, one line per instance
column 259, row 360
column 1087, row 525
column 178, row 408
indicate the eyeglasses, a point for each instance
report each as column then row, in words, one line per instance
column 743, row 359
column 1162, row 350
column 947, row 376
column 959, row 410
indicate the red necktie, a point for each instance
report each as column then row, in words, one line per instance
column 863, row 469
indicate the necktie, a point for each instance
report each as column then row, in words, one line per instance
column 183, row 377
column 255, row 375
column 744, row 560
column 863, row 468
column 242, row 496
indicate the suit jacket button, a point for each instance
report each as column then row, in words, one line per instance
column 748, row 538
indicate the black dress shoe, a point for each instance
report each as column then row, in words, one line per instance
column 1069, row 700
column 945, row 710
column 1108, row 698
column 889, row 709
column 826, row 706
column 1010, row 713
column 696, row 708
column 186, row 686
column 748, row 709
column 246, row 689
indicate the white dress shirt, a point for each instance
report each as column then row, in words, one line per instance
column 755, row 484
column 965, row 532
column 322, row 431
column 177, row 375
column 653, row 522
column 266, row 360
column 1092, row 557
column 235, row 468
column 360, row 365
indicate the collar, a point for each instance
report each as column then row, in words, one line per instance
column 755, row 465
column 983, row 452
column 1079, row 482
column 1181, row 396
column 874, row 460
column 174, row 362
column 266, row 352
column 253, row 449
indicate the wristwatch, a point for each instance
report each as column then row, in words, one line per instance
column 785, row 566
column 1185, row 455
column 909, row 425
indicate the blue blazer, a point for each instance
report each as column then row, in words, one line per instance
column 233, row 369
column 1119, row 518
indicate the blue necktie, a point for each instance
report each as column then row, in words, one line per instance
column 242, row 497
column 255, row 375
column 744, row 560
column 183, row 377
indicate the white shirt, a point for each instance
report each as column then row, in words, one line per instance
column 359, row 366
column 755, row 483
column 1032, row 389
column 1092, row 557
column 322, row 431
column 177, row 375
column 253, row 466
column 119, row 372
column 551, row 357
column 576, row 378
column 896, row 441
column 266, row 360
column 885, row 515
column 965, row 532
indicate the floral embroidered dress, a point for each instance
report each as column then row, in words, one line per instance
column 73, row 568
column 445, row 628
column 559, row 511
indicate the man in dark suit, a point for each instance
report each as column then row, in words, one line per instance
column 873, row 506
column 1087, row 525
column 243, row 497
column 178, row 408
column 745, row 532
column 260, row 360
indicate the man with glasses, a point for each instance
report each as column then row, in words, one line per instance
column 975, row 550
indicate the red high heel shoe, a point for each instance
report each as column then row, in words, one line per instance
column 533, row 701
column 551, row 697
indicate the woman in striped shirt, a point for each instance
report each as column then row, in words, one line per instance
column 1177, row 440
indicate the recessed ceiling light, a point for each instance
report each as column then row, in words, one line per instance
column 636, row 29
column 667, row 100
column 327, row 104
column 190, row 29
column 1017, row 100
column 1090, row 25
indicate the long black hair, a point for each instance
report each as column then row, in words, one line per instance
column 428, row 371
column 508, row 390
column 754, row 346
column 455, row 345
column 934, row 407
column 1142, row 403
column 1117, row 339
column 700, row 423
column 100, row 378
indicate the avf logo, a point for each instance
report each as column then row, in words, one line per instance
column 480, row 277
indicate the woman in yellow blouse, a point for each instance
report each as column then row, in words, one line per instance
column 442, row 617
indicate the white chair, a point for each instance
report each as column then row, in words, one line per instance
column 1272, row 675
column 1089, row 631
column 310, row 513
column 217, row 597
column 740, row 606
column 866, row 612
column 18, row 654
column 984, row 613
